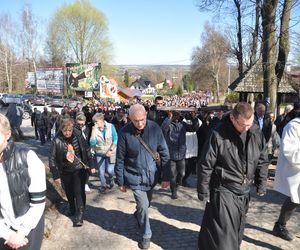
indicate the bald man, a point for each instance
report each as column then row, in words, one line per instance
column 136, row 168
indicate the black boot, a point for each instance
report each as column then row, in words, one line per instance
column 174, row 194
column 280, row 230
column 78, row 222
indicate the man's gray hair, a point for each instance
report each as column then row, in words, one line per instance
column 136, row 108
column 80, row 117
column 98, row 116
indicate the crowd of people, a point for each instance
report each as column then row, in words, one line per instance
column 143, row 143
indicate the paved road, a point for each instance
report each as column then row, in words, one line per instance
column 110, row 225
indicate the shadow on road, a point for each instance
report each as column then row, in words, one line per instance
column 125, row 224
column 180, row 213
column 262, row 244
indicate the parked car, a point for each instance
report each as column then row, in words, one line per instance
column 11, row 98
column 48, row 99
column 27, row 110
column 39, row 100
column 74, row 100
column 27, row 98
column 57, row 101
column 1, row 95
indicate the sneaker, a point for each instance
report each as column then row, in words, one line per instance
column 102, row 190
column 280, row 230
column 87, row 188
column 144, row 244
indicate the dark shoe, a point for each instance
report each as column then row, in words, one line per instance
column 174, row 195
column 102, row 190
column 280, row 230
column 111, row 185
column 144, row 244
column 136, row 217
column 77, row 222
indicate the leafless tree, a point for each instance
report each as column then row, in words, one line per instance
column 273, row 41
column 30, row 38
column 7, row 52
column 211, row 56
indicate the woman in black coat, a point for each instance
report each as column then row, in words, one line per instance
column 70, row 159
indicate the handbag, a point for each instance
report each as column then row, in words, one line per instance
column 155, row 155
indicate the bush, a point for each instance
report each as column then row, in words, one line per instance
column 232, row 97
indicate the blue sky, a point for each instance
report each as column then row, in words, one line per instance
column 142, row 31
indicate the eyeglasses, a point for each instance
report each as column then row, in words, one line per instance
column 80, row 124
column 242, row 125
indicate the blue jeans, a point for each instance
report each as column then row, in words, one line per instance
column 143, row 200
column 105, row 167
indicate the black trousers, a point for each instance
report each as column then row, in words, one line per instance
column 287, row 210
column 223, row 221
column 177, row 172
column 73, row 183
column 190, row 167
column 35, row 238
column 36, row 132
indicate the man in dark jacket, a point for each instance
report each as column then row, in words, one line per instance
column 174, row 130
column 33, row 123
column 136, row 168
column 234, row 154
column 263, row 120
column 155, row 114
column 288, row 117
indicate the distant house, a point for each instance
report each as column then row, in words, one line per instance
column 143, row 85
column 161, row 84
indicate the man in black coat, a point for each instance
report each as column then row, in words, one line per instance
column 233, row 155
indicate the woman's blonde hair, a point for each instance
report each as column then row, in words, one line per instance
column 66, row 123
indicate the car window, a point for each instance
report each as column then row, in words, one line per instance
column 57, row 97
